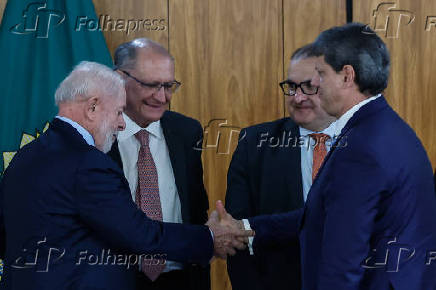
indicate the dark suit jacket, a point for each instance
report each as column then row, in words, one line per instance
column 264, row 177
column 66, row 202
column 183, row 135
column 373, row 198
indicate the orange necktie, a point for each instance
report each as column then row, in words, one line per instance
column 319, row 152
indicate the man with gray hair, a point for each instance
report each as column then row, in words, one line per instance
column 67, row 220
column 162, row 142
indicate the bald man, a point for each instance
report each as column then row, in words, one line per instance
column 171, row 139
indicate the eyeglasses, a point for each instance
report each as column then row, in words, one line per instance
column 169, row 87
column 290, row 88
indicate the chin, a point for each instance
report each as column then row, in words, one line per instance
column 155, row 115
column 303, row 118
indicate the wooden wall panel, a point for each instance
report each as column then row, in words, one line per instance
column 2, row 7
column 153, row 12
column 412, row 84
column 304, row 20
column 229, row 58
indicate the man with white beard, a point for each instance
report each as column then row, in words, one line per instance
column 67, row 220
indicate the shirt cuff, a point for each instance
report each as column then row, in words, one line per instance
column 247, row 227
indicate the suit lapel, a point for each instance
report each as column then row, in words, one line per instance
column 178, row 161
column 292, row 156
column 341, row 141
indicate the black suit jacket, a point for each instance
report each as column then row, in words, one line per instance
column 63, row 203
column 182, row 135
column 265, row 178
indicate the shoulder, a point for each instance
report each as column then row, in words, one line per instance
column 177, row 120
column 186, row 129
column 270, row 129
column 97, row 160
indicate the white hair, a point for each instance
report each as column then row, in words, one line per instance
column 86, row 80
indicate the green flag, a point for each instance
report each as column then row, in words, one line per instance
column 40, row 43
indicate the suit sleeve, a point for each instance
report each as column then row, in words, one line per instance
column 104, row 204
column 241, row 268
column 199, row 276
column 351, row 206
column 276, row 230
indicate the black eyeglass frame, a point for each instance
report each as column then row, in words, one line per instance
column 167, row 86
column 300, row 85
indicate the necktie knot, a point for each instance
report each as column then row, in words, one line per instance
column 143, row 137
column 320, row 138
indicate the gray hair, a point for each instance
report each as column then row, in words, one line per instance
column 125, row 54
column 356, row 44
column 303, row 52
column 86, row 79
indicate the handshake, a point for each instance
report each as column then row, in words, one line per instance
column 229, row 234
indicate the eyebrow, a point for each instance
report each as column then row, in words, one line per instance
column 309, row 80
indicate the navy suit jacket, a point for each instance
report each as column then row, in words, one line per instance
column 183, row 135
column 264, row 177
column 368, row 222
column 64, row 204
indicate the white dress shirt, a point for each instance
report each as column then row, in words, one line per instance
column 307, row 154
column 129, row 149
column 334, row 130
column 343, row 120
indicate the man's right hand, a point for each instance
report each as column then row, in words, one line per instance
column 229, row 234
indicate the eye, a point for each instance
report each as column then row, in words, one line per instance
column 307, row 84
column 119, row 113
column 154, row 85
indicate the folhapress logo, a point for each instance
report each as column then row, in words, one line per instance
column 387, row 19
column 38, row 20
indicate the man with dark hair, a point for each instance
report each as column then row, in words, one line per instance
column 266, row 177
column 158, row 156
column 368, row 221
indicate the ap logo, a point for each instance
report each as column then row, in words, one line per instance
column 37, row 19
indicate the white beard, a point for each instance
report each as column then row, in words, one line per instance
column 108, row 136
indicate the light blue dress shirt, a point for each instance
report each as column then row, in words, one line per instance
column 82, row 131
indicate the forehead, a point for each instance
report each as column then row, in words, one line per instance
column 153, row 66
column 320, row 63
column 301, row 70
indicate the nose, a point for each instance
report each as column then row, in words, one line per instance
column 300, row 96
column 160, row 95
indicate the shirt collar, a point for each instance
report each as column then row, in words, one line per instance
column 132, row 128
column 82, row 131
column 330, row 130
column 343, row 120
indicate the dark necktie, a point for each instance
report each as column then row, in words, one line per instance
column 147, row 197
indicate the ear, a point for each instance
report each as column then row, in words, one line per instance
column 349, row 75
column 118, row 71
column 92, row 107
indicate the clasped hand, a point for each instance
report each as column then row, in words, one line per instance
column 229, row 233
